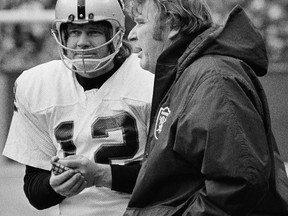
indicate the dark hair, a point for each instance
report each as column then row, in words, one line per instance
column 124, row 52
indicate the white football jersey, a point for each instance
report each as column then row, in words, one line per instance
column 54, row 115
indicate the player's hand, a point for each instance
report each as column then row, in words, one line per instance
column 95, row 174
column 68, row 183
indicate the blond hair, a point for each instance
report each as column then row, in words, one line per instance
column 187, row 16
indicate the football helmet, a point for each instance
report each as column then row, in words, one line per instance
column 83, row 12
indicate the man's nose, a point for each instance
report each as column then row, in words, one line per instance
column 132, row 34
column 83, row 41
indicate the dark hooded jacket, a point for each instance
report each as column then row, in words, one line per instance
column 211, row 150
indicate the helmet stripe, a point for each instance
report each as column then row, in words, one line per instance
column 121, row 4
column 81, row 9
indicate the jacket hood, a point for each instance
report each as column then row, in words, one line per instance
column 236, row 38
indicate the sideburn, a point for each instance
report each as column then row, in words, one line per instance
column 158, row 30
column 161, row 23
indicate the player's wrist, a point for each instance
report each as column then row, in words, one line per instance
column 103, row 176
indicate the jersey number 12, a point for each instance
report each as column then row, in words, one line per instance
column 100, row 129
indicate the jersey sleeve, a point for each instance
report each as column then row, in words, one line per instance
column 28, row 139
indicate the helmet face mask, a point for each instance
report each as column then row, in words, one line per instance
column 82, row 12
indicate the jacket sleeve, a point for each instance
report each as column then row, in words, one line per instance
column 38, row 190
column 124, row 177
column 223, row 135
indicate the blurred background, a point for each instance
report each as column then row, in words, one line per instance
column 25, row 41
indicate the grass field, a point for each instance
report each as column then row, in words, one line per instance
column 13, row 200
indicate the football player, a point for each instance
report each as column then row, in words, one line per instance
column 92, row 107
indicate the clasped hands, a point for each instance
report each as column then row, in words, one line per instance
column 82, row 173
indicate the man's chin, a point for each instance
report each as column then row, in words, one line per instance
column 87, row 67
column 147, row 67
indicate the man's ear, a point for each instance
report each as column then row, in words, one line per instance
column 173, row 33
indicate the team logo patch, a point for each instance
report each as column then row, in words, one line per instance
column 161, row 119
